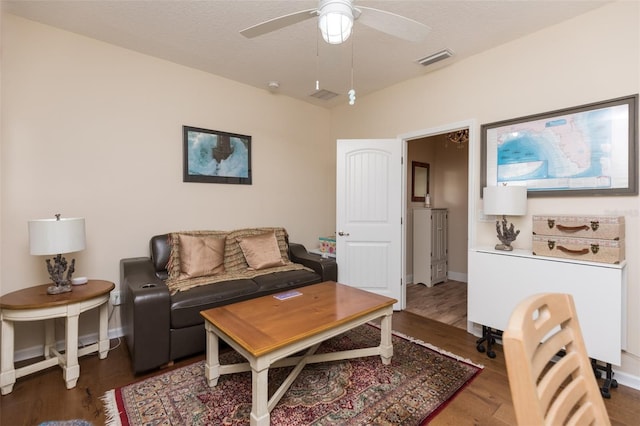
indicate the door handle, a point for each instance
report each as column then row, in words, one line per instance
column 343, row 234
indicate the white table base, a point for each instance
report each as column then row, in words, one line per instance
column 259, row 366
column 67, row 360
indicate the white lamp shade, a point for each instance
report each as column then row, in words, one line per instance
column 336, row 21
column 52, row 236
column 505, row 200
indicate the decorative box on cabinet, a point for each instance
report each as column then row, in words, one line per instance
column 589, row 238
column 430, row 251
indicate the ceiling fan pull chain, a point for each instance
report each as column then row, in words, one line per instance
column 352, row 91
column 317, row 60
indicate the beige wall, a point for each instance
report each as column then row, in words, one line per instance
column 591, row 58
column 93, row 130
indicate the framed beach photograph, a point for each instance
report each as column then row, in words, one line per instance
column 212, row 156
column 585, row 150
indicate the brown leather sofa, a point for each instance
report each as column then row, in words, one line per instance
column 161, row 327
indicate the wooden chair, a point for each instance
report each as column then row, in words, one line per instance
column 546, row 392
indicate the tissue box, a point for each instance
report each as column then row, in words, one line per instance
column 328, row 244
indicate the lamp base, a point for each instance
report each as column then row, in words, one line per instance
column 56, row 273
column 58, row 289
column 503, row 247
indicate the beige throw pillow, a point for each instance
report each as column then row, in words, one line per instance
column 200, row 256
column 261, row 251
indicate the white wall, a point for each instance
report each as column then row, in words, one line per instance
column 94, row 130
column 591, row 58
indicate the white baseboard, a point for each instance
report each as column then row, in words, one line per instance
column 452, row 275
column 457, row 276
column 627, row 379
column 85, row 340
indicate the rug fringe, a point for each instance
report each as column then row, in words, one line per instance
column 111, row 412
column 432, row 347
column 437, row 349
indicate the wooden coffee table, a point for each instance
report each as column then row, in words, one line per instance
column 267, row 331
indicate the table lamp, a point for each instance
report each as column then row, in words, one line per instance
column 505, row 200
column 56, row 237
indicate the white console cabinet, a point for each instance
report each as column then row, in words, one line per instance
column 430, row 251
column 498, row 281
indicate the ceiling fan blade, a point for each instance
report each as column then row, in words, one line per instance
column 278, row 23
column 392, row 24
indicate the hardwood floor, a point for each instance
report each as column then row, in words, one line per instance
column 486, row 401
column 444, row 302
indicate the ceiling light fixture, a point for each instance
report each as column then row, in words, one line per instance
column 336, row 20
column 459, row 138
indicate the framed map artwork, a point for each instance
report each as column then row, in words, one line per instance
column 586, row 150
column 212, row 156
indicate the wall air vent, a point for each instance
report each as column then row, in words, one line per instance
column 323, row 94
column 436, row 57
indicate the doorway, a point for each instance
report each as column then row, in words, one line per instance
column 448, row 159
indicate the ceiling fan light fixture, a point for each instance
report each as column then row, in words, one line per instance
column 336, row 21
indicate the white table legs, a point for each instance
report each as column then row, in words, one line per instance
column 259, row 400
column 7, row 372
column 259, row 366
column 71, row 368
column 386, row 346
column 69, row 360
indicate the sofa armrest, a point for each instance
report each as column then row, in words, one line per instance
column 327, row 268
column 146, row 315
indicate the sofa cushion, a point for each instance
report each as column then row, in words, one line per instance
column 261, row 251
column 280, row 281
column 201, row 255
column 186, row 305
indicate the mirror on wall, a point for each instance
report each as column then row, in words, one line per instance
column 419, row 181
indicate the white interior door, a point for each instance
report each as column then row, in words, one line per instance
column 369, row 215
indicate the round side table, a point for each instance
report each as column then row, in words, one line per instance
column 34, row 304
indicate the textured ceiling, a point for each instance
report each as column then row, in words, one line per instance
column 205, row 35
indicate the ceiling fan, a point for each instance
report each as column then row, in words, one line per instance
column 336, row 18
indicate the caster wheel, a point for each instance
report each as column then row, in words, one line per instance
column 491, row 354
column 480, row 348
column 614, row 384
column 605, row 393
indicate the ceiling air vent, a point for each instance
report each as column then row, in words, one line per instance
column 323, row 94
column 436, row 57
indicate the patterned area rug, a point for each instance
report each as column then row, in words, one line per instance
column 417, row 384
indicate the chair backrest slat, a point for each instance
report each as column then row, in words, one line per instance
column 546, row 391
